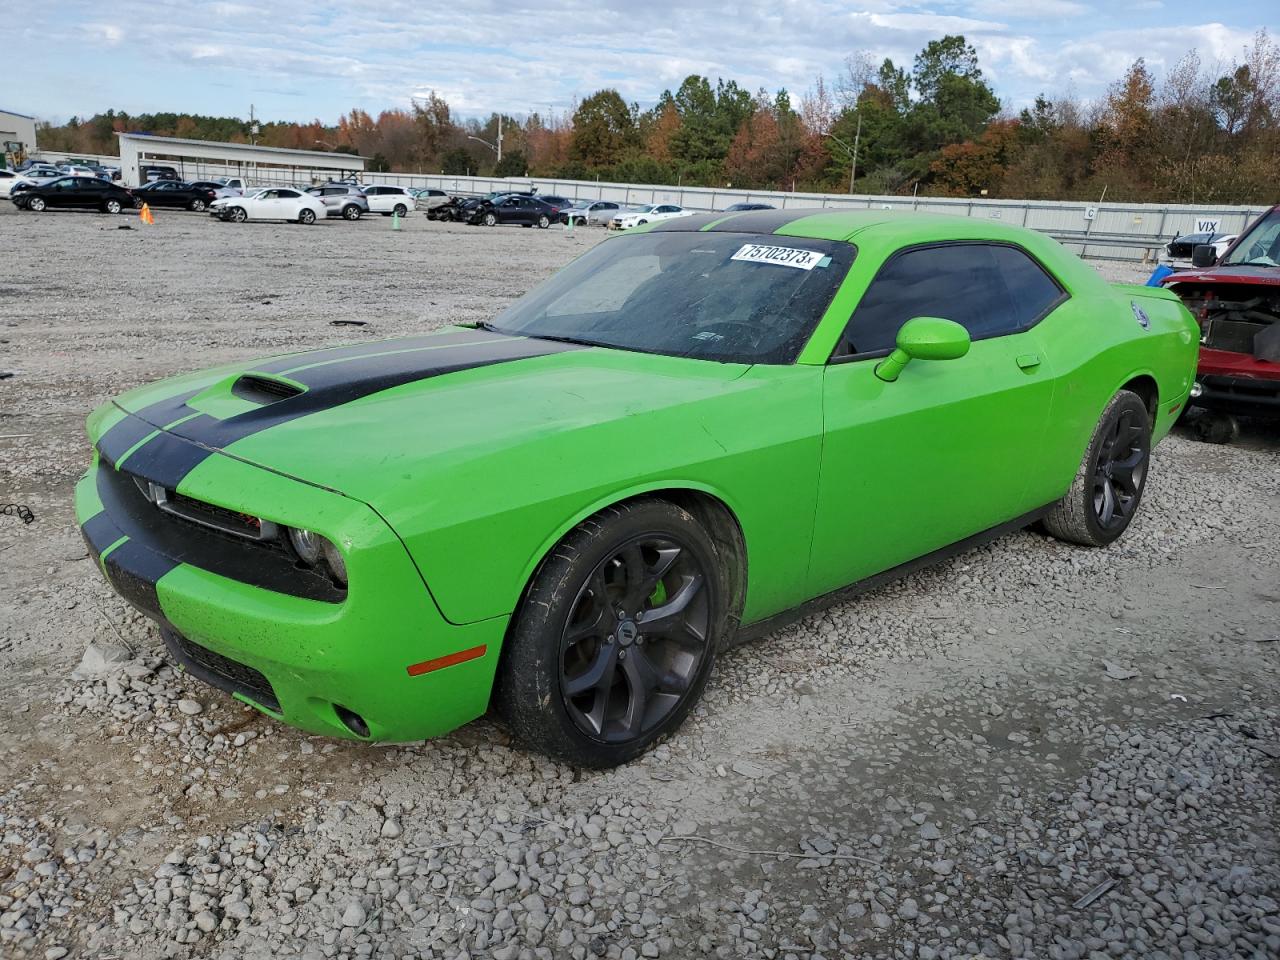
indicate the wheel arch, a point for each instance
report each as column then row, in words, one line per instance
column 1146, row 387
column 708, row 506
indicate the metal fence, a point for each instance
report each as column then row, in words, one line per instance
column 1116, row 231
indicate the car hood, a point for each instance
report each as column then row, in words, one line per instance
column 373, row 419
column 1268, row 276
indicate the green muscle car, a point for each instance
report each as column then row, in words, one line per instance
column 689, row 432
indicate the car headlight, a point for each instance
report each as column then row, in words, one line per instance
column 314, row 550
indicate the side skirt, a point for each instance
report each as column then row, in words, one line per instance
column 760, row 628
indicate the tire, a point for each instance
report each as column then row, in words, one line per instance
column 351, row 212
column 111, row 206
column 238, row 215
column 1215, row 427
column 400, row 210
column 490, row 220
column 1107, row 489
column 197, row 205
column 566, row 685
column 543, row 222
column 641, row 223
column 36, row 204
column 306, row 216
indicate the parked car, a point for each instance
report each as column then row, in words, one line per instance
column 341, row 200
column 589, row 212
column 219, row 188
column 649, row 213
column 429, row 198
column 154, row 171
column 514, row 208
column 458, row 209
column 78, row 170
column 389, row 200
column 744, row 207
column 1181, row 248
column 560, row 203
column 90, row 193
column 272, row 203
column 175, row 193
column 1235, row 297
column 9, row 180
column 552, row 559
column 40, row 171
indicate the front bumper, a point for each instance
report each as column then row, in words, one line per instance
column 1245, row 396
column 381, row 652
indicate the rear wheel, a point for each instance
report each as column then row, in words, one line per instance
column 36, row 204
column 400, row 210
column 351, row 212
column 197, row 205
column 1108, row 486
column 616, row 636
column 238, row 215
column 112, row 206
column 306, row 216
column 543, row 222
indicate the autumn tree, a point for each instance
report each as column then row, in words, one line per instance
column 603, row 129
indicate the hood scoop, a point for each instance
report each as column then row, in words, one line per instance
column 262, row 389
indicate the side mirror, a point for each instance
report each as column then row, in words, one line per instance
column 924, row 338
column 1203, row 255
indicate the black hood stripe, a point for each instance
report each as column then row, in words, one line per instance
column 293, row 361
column 166, row 459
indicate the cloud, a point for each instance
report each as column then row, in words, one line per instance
column 378, row 54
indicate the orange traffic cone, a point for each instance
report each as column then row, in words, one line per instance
column 145, row 215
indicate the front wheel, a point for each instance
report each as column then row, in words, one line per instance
column 1108, row 486
column 616, row 636
column 112, row 206
column 36, row 204
column 543, row 222
column 238, row 215
column 306, row 216
column 490, row 220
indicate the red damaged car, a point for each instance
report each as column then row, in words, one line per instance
column 1236, row 299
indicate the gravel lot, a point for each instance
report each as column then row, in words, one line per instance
column 1032, row 750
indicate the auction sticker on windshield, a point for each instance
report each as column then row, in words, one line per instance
column 782, row 256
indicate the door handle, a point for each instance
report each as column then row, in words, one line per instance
column 1029, row 361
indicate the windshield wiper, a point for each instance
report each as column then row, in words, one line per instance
column 581, row 341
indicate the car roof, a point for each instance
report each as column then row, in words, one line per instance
column 900, row 226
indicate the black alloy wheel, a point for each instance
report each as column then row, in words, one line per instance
column 635, row 639
column 1107, row 490
column 1120, row 471
column 617, row 632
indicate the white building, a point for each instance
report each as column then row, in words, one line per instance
column 17, row 133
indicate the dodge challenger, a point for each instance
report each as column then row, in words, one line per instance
column 687, row 434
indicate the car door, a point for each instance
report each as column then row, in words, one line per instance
column 943, row 452
column 287, row 204
column 263, row 206
column 60, row 193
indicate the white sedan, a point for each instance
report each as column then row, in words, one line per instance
column 388, row 200
column 273, row 203
column 649, row 213
column 9, row 180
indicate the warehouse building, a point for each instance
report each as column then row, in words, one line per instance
column 17, row 135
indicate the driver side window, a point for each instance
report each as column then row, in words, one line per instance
column 990, row 289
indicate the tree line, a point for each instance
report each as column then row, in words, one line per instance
column 1203, row 133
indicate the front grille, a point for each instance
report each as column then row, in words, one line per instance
column 221, row 672
column 220, row 518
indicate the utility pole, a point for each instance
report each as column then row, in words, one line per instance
column 253, row 128
column 499, row 138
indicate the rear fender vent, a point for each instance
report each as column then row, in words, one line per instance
column 260, row 389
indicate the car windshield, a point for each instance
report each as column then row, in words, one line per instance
column 1260, row 246
column 729, row 297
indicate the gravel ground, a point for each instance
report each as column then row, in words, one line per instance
column 1032, row 750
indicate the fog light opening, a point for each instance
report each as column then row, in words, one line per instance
column 351, row 720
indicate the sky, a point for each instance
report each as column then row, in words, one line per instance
column 310, row 59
